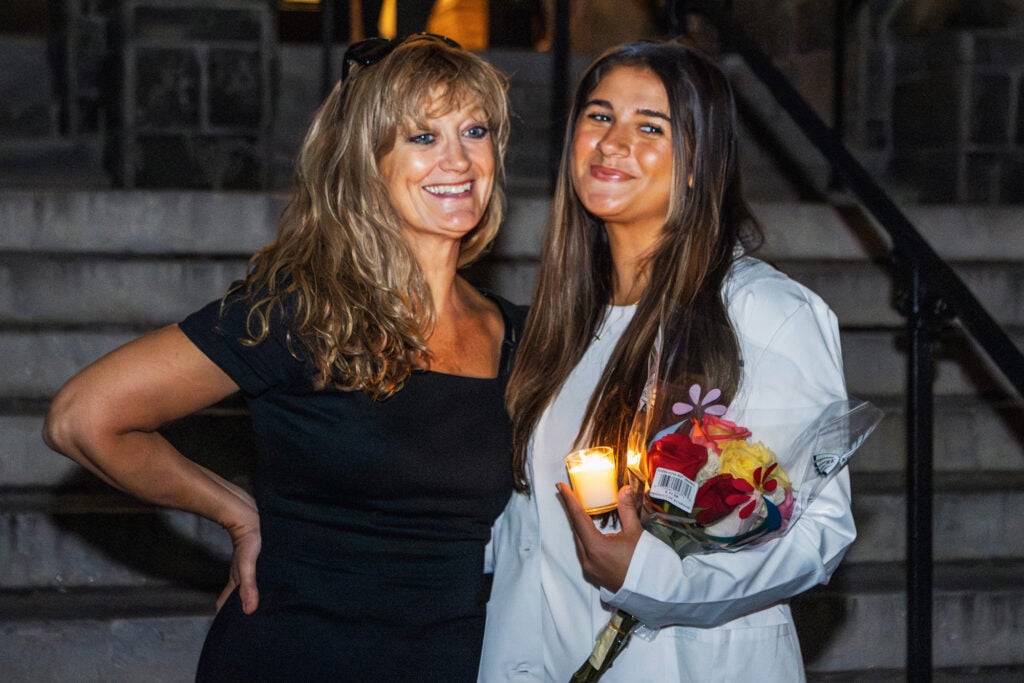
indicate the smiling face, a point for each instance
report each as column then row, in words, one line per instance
column 440, row 175
column 622, row 153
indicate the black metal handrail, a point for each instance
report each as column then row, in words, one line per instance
column 933, row 292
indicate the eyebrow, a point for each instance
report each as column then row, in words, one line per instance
column 643, row 112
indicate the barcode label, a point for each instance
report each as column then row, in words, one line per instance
column 674, row 488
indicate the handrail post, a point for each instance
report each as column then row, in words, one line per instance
column 922, row 313
column 838, row 82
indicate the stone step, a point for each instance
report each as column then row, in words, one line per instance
column 101, row 538
column 136, row 289
column 971, row 434
column 137, row 221
column 96, row 539
column 144, row 635
column 861, row 292
column 858, row 622
column 876, row 364
column 219, row 437
column 238, row 223
column 155, row 634
column 972, row 517
column 41, row 358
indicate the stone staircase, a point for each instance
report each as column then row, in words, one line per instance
column 96, row 587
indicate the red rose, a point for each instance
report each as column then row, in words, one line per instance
column 676, row 452
column 717, row 498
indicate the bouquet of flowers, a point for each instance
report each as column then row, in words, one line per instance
column 705, row 484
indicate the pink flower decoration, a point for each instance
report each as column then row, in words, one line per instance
column 699, row 406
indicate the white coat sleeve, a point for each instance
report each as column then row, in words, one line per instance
column 489, row 548
column 797, row 364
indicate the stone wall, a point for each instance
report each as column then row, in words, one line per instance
column 196, row 100
column 932, row 88
column 181, row 90
column 957, row 115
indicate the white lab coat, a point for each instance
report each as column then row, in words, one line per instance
column 722, row 616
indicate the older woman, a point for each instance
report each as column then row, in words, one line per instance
column 375, row 377
column 649, row 224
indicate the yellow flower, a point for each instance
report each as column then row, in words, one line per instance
column 741, row 460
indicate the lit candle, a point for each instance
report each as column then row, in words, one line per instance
column 592, row 475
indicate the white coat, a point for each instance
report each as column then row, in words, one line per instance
column 722, row 616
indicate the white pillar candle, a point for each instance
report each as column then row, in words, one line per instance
column 592, row 475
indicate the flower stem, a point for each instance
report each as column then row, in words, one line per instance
column 610, row 643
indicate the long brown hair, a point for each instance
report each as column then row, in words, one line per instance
column 358, row 302
column 708, row 220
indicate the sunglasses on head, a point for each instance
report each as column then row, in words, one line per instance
column 370, row 51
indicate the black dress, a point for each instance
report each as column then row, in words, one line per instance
column 374, row 516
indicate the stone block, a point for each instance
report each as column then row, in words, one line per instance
column 916, row 56
column 1011, row 189
column 926, row 110
column 166, row 88
column 999, row 48
column 990, row 97
column 84, row 63
column 815, row 25
column 934, row 174
column 981, row 178
column 775, row 21
column 236, row 88
column 1019, row 137
column 512, row 280
column 25, row 106
column 199, row 161
column 198, row 93
column 996, row 177
column 197, row 21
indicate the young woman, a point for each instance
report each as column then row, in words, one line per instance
column 649, row 223
column 375, row 376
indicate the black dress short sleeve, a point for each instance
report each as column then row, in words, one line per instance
column 374, row 515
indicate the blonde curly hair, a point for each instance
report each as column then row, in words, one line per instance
column 356, row 299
